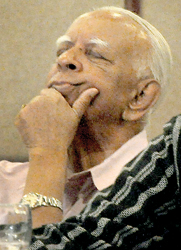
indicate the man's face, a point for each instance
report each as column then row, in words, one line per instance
column 97, row 51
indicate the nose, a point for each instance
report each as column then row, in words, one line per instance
column 70, row 60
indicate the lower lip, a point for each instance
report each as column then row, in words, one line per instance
column 63, row 87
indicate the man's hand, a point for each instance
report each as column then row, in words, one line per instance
column 48, row 125
column 48, row 121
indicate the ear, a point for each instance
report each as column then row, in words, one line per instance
column 146, row 95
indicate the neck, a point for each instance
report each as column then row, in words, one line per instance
column 94, row 142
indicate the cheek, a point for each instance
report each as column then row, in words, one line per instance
column 107, row 99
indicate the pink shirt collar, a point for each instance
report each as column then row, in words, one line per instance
column 105, row 174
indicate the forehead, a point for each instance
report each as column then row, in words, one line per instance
column 115, row 29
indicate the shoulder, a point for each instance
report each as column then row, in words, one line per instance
column 161, row 159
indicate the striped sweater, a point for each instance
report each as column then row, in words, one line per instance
column 140, row 211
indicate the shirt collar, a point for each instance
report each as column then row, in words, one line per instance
column 105, row 174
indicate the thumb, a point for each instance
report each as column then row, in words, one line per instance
column 84, row 100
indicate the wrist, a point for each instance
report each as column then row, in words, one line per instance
column 47, row 171
column 48, row 158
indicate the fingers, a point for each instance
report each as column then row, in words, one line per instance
column 82, row 103
column 79, row 106
column 51, row 92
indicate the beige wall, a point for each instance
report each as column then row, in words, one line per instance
column 28, row 30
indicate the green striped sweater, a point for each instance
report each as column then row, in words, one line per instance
column 140, row 211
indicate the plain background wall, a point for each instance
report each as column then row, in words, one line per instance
column 28, row 31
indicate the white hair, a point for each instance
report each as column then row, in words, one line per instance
column 159, row 59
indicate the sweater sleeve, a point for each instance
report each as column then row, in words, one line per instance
column 140, row 211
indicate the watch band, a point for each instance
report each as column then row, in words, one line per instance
column 37, row 200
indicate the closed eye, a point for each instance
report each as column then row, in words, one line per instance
column 63, row 47
column 95, row 54
column 61, row 51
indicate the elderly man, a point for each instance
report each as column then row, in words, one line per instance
column 108, row 74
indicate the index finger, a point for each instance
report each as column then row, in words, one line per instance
column 84, row 100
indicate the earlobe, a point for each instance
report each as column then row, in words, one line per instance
column 147, row 94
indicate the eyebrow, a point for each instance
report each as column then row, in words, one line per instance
column 99, row 42
column 94, row 41
column 63, row 39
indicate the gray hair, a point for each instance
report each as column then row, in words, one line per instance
column 159, row 60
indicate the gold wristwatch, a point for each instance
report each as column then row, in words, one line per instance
column 37, row 200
